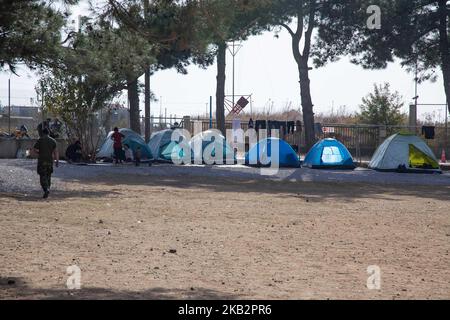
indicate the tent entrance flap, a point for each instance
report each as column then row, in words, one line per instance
column 419, row 160
column 331, row 155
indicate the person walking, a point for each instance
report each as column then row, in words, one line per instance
column 117, row 138
column 47, row 152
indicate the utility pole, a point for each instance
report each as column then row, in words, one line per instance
column 234, row 52
column 416, row 95
column 210, row 112
column 446, row 127
column 9, row 106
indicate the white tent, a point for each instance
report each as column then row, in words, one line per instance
column 404, row 153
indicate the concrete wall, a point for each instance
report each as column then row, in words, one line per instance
column 10, row 147
column 30, row 123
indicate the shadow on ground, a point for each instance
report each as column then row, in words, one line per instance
column 56, row 195
column 308, row 191
column 16, row 288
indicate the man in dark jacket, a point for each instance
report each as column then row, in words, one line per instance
column 73, row 152
column 47, row 151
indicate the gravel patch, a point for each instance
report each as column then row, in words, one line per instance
column 17, row 175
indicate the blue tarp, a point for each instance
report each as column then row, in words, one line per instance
column 329, row 153
column 261, row 154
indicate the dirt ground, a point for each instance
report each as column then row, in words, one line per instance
column 233, row 239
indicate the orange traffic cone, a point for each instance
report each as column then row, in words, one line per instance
column 443, row 158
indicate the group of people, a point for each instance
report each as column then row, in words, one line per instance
column 123, row 152
column 53, row 127
column 47, row 152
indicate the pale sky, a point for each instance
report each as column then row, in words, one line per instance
column 266, row 69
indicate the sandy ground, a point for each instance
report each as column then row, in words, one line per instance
column 235, row 238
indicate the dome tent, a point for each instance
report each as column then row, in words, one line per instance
column 210, row 142
column 132, row 139
column 261, row 153
column 162, row 146
column 405, row 153
column 329, row 154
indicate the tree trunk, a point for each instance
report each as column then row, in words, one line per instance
column 444, row 48
column 302, row 58
column 307, row 105
column 147, row 93
column 133, row 97
column 147, row 106
column 220, row 92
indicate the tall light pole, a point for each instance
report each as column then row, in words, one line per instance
column 9, row 106
column 210, row 112
column 234, row 52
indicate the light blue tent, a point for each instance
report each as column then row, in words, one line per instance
column 163, row 148
column 132, row 139
column 329, row 154
column 261, row 153
column 209, row 143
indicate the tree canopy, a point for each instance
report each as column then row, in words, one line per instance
column 414, row 31
column 30, row 32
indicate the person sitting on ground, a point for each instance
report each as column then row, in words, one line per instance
column 128, row 153
column 73, row 152
column 137, row 156
column 117, row 138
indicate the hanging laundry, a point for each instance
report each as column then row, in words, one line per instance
column 428, row 132
column 318, row 128
column 290, row 126
column 260, row 124
column 298, row 125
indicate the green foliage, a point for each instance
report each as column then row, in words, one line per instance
column 409, row 31
column 93, row 71
column 171, row 27
column 237, row 20
column 30, row 32
column 382, row 107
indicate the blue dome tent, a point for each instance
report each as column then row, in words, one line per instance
column 260, row 154
column 163, row 148
column 329, row 154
